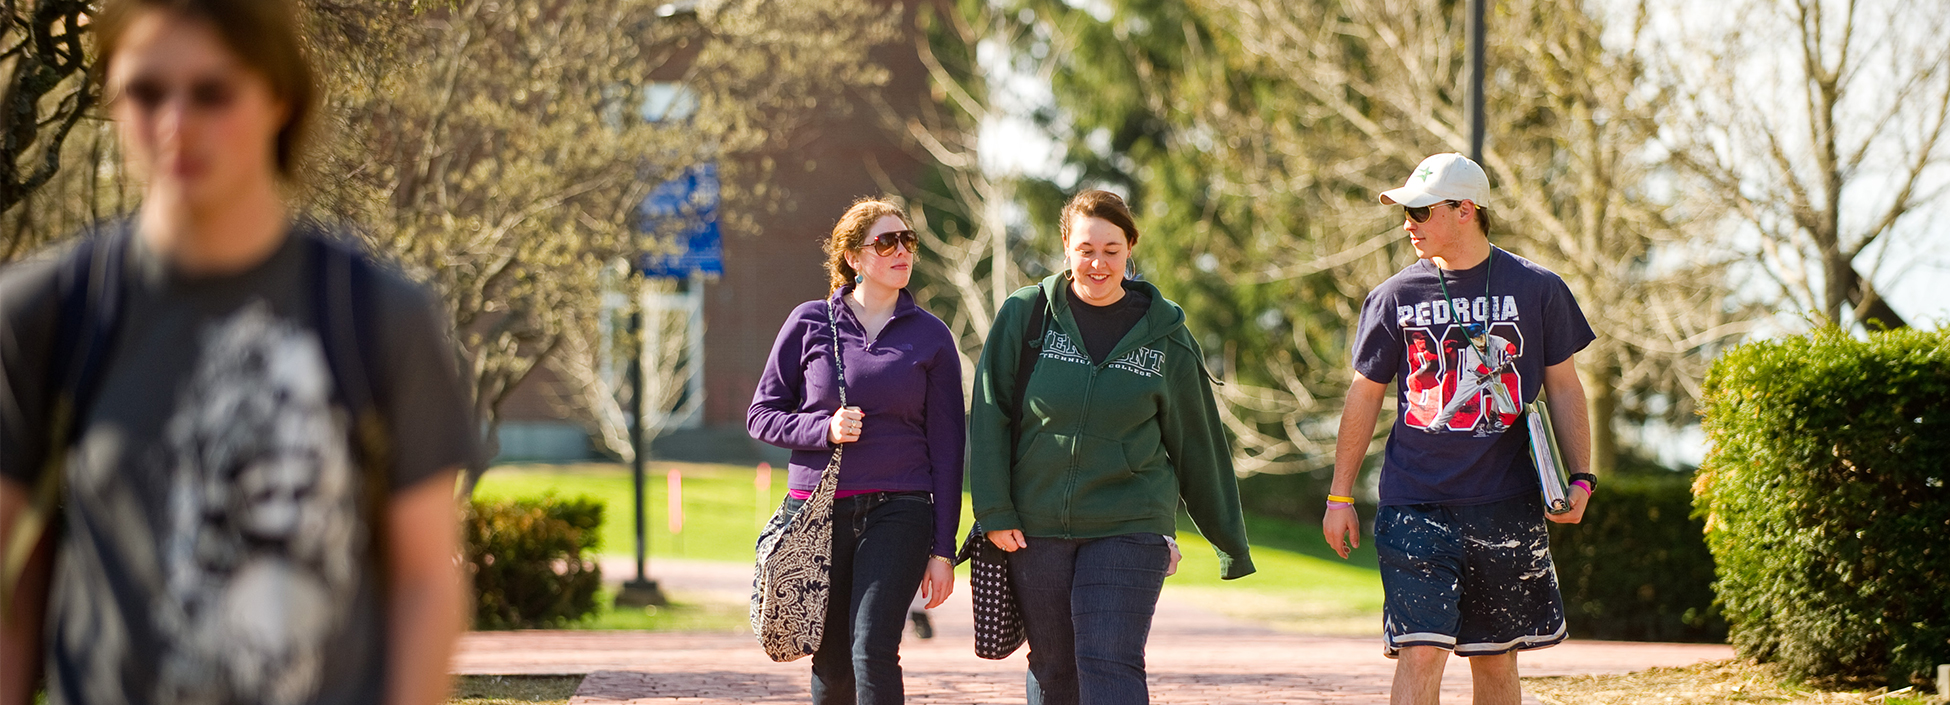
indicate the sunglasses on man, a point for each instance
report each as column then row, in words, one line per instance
column 1421, row 214
column 883, row 244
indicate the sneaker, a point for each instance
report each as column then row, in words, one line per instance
column 923, row 627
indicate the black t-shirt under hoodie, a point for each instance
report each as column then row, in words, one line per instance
column 1103, row 327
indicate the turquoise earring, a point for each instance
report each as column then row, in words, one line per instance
column 859, row 278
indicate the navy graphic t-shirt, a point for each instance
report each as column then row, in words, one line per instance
column 1465, row 368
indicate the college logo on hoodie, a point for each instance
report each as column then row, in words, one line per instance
column 1057, row 346
column 1143, row 362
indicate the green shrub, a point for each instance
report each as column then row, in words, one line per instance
column 1636, row 568
column 1824, row 501
column 532, row 561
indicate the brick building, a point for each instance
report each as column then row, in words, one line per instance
column 766, row 273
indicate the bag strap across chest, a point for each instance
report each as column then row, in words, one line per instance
column 829, row 479
column 1032, row 350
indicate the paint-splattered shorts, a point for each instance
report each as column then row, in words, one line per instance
column 1475, row 579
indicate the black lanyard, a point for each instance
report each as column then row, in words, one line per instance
column 1484, row 351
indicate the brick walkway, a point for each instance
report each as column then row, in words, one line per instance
column 1195, row 656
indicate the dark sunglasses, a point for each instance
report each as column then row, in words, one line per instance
column 1421, row 215
column 883, row 244
column 203, row 93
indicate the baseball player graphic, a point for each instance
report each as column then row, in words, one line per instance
column 1483, row 362
column 1425, row 383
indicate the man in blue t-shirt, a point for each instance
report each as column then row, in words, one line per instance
column 1472, row 332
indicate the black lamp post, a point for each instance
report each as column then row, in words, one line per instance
column 641, row 590
column 1476, row 79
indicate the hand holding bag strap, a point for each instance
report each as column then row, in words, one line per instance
column 792, row 581
column 829, row 479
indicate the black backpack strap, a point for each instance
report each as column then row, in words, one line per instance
column 345, row 311
column 1032, row 349
column 72, row 283
column 89, row 300
column 90, row 285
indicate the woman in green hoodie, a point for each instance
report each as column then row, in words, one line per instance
column 1078, row 469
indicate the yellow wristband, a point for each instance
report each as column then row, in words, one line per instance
column 1338, row 498
column 944, row 559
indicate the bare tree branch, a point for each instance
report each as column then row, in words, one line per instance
column 1812, row 181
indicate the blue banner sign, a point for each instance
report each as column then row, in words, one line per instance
column 683, row 214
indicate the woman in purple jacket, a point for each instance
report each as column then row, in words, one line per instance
column 899, row 497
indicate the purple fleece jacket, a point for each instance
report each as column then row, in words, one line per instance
column 907, row 382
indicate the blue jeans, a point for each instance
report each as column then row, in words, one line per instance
column 1087, row 607
column 880, row 553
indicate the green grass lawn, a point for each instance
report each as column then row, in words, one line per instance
column 1300, row 584
column 722, row 507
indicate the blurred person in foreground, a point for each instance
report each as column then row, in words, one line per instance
column 898, row 501
column 1078, row 471
column 252, row 430
column 1465, row 558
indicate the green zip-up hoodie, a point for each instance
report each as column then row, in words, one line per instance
column 1105, row 449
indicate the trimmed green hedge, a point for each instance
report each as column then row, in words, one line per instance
column 1824, row 501
column 1636, row 568
column 533, row 561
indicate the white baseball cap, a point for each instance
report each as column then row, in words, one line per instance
column 1443, row 177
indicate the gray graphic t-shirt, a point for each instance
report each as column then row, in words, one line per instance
column 216, row 539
